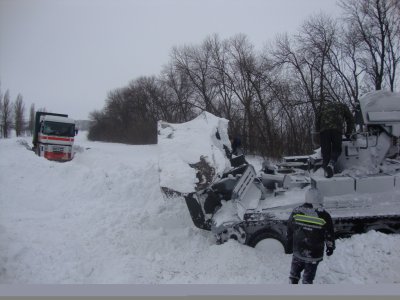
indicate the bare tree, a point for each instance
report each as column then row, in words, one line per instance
column 302, row 68
column 345, row 59
column 195, row 62
column 242, row 66
column 316, row 39
column 98, row 130
column 392, row 27
column 19, row 122
column 31, row 122
column 303, row 79
column 376, row 24
column 178, row 106
column 130, row 114
column 221, row 76
column 6, row 115
column 1, row 112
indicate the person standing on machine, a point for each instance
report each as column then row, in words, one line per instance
column 330, row 125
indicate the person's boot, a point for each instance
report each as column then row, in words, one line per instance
column 329, row 170
column 293, row 280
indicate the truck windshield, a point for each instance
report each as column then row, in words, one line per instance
column 59, row 129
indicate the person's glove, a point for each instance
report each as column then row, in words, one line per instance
column 329, row 251
column 289, row 248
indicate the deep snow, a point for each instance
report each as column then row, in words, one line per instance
column 101, row 218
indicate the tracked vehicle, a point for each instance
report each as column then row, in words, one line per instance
column 364, row 195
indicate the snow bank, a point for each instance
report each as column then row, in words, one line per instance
column 192, row 147
column 101, row 219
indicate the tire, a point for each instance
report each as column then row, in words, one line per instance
column 259, row 237
column 381, row 229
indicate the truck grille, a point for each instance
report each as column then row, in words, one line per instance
column 58, row 149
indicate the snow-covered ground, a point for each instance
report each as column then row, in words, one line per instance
column 101, row 218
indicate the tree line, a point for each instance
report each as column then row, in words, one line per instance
column 270, row 96
column 12, row 116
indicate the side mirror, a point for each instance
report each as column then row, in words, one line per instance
column 76, row 131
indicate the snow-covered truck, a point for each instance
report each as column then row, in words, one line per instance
column 233, row 201
column 53, row 136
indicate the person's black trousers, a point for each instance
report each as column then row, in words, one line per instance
column 298, row 265
column 331, row 146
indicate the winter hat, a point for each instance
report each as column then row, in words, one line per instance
column 314, row 196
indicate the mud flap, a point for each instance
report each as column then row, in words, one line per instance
column 196, row 212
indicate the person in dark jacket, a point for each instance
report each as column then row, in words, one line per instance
column 330, row 124
column 236, row 144
column 309, row 229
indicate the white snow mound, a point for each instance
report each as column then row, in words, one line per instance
column 183, row 145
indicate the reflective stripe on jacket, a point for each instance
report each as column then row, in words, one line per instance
column 309, row 229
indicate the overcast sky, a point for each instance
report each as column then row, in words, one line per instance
column 66, row 55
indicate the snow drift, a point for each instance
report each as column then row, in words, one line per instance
column 101, row 218
column 192, row 154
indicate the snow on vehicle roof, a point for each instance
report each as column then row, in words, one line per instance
column 379, row 101
column 182, row 145
column 58, row 119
